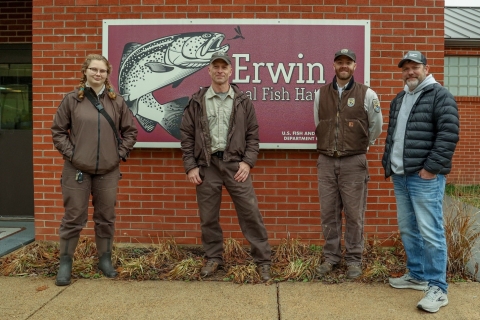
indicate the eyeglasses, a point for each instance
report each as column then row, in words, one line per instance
column 95, row 70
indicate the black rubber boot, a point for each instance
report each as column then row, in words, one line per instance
column 67, row 250
column 104, row 248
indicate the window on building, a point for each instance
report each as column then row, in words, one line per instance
column 15, row 96
column 462, row 75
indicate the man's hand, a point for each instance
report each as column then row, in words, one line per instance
column 424, row 174
column 194, row 176
column 242, row 173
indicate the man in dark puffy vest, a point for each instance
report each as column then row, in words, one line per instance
column 348, row 120
column 421, row 139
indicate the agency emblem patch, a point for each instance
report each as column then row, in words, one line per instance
column 351, row 102
column 376, row 105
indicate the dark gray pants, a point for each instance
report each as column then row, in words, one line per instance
column 342, row 185
column 103, row 188
column 209, row 197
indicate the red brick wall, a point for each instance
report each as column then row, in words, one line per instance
column 15, row 21
column 155, row 200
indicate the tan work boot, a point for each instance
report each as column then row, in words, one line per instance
column 264, row 272
column 323, row 269
column 354, row 271
column 209, row 268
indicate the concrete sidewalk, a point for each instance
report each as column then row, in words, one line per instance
column 39, row 298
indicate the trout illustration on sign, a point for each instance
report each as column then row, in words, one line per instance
column 147, row 67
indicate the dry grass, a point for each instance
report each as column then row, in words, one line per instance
column 133, row 267
column 188, row 269
column 462, row 232
column 165, row 251
column 234, row 252
column 290, row 250
column 292, row 260
column 85, row 248
column 243, row 274
column 295, row 261
column 36, row 258
column 300, row 269
column 382, row 262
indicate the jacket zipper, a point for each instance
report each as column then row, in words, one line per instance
column 337, row 122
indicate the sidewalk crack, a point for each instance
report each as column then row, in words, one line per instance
column 50, row 300
column 278, row 302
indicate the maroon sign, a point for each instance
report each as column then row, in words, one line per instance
column 159, row 64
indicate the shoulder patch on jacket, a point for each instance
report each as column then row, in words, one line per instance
column 376, row 105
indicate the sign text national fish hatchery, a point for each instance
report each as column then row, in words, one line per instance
column 159, row 64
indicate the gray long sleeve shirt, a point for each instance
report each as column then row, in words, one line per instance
column 399, row 135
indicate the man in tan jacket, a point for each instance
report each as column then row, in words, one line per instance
column 219, row 139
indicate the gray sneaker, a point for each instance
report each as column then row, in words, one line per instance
column 407, row 282
column 434, row 299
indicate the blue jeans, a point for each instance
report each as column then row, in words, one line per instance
column 420, row 220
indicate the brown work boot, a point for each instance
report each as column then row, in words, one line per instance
column 264, row 272
column 323, row 269
column 354, row 271
column 209, row 268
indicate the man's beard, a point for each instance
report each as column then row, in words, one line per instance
column 412, row 83
column 342, row 77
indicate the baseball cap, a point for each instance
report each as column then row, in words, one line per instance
column 415, row 56
column 220, row 55
column 347, row 53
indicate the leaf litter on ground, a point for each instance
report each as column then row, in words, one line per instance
column 292, row 260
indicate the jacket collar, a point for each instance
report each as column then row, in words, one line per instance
column 238, row 94
column 100, row 96
column 210, row 93
column 425, row 89
column 347, row 87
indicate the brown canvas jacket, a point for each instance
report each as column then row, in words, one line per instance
column 84, row 137
column 343, row 124
column 242, row 138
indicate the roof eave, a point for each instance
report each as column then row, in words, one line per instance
column 462, row 43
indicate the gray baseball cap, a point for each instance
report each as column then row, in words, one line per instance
column 415, row 56
column 346, row 53
column 220, row 55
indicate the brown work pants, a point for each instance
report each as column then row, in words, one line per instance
column 209, row 197
column 103, row 188
column 342, row 184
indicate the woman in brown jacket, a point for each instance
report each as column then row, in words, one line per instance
column 92, row 152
